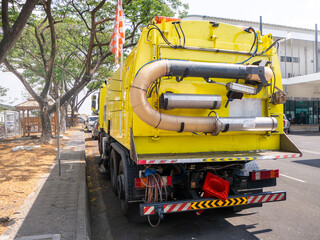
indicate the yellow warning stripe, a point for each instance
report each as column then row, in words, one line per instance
column 229, row 159
column 219, row 203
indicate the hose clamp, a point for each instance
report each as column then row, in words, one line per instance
column 219, row 125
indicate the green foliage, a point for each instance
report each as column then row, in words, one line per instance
column 3, row 91
column 14, row 9
column 74, row 42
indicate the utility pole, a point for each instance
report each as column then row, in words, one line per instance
column 316, row 48
column 261, row 25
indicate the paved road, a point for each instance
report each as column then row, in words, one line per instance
column 296, row 218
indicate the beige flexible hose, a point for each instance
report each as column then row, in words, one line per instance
column 142, row 108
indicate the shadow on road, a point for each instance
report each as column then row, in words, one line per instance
column 311, row 162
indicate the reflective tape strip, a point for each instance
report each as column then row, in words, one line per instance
column 148, row 210
column 288, row 156
column 257, row 175
column 228, row 159
column 266, row 198
column 258, row 199
column 140, row 162
column 178, row 207
column 273, row 197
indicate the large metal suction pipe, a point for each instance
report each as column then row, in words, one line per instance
column 155, row 70
column 249, row 124
column 217, row 70
column 195, row 101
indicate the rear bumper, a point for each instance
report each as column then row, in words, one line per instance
column 209, row 203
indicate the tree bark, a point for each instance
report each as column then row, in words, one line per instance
column 46, row 133
column 63, row 118
column 12, row 34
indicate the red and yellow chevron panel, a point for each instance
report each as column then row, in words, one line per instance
column 219, row 203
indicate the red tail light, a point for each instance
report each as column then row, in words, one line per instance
column 264, row 174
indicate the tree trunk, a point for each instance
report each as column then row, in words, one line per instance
column 46, row 133
column 63, row 119
column 72, row 117
column 11, row 35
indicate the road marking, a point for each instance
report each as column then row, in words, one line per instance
column 308, row 151
column 299, row 180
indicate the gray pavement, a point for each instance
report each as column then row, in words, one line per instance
column 60, row 210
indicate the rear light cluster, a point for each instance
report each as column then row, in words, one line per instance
column 159, row 19
column 141, row 182
column 264, row 174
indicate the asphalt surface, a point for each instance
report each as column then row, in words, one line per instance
column 296, row 218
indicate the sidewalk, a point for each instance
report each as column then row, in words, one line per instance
column 305, row 127
column 60, row 208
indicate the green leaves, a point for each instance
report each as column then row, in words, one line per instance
column 83, row 29
column 3, row 91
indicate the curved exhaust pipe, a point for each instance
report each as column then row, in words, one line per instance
column 155, row 70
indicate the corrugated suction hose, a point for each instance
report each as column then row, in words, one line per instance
column 151, row 72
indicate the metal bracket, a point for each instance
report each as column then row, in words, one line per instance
column 260, row 72
column 133, row 152
column 185, row 74
column 214, row 24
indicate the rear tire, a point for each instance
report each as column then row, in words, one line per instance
column 114, row 160
column 123, row 188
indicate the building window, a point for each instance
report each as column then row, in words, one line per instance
column 290, row 59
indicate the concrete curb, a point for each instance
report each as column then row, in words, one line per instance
column 83, row 219
column 305, row 128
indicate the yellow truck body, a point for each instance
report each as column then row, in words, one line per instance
column 116, row 112
column 192, row 110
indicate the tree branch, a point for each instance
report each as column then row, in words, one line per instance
column 67, row 71
column 10, row 39
column 5, row 18
column 49, row 70
column 28, row 66
column 23, row 81
column 80, row 14
column 40, row 44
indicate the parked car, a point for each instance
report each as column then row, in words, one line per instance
column 81, row 120
column 90, row 121
column 95, row 130
column 286, row 124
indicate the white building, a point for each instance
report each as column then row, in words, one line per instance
column 298, row 61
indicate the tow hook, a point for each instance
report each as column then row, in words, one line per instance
column 160, row 213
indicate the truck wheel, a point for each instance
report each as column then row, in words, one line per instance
column 99, row 143
column 114, row 170
column 127, row 174
column 123, row 188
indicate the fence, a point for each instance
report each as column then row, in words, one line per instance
column 9, row 124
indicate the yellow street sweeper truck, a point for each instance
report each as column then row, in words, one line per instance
column 187, row 118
